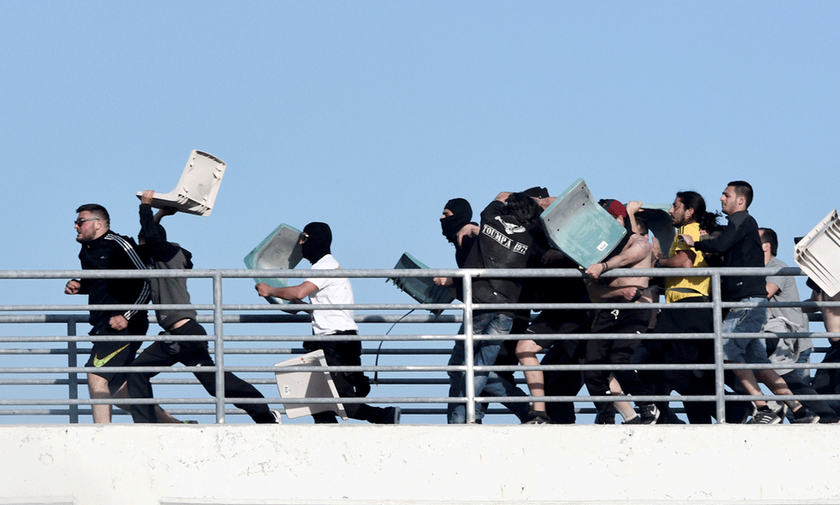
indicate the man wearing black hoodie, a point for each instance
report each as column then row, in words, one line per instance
column 315, row 242
column 458, row 228
column 505, row 240
column 160, row 254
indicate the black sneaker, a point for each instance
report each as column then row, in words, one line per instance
column 767, row 416
column 392, row 416
column 807, row 417
column 537, row 417
column 649, row 414
column 637, row 419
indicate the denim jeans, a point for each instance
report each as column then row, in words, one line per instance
column 485, row 353
column 746, row 320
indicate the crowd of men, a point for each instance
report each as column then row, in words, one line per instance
column 508, row 235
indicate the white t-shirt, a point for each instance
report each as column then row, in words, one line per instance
column 332, row 290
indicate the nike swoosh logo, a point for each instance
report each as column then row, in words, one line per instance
column 101, row 362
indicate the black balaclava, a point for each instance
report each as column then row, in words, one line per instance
column 318, row 244
column 461, row 216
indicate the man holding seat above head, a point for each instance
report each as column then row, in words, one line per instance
column 158, row 253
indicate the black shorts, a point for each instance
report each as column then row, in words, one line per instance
column 623, row 320
column 115, row 354
column 559, row 322
column 110, row 355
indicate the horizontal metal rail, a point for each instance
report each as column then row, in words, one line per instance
column 220, row 314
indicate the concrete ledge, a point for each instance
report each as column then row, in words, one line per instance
column 419, row 464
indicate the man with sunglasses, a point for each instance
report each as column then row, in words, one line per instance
column 315, row 242
column 103, row 249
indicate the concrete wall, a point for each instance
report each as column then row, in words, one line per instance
column 416, row 464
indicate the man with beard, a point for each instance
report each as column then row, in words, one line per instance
column 458, row 228
column 315, row 242
column 688, row 214
column 103, row 249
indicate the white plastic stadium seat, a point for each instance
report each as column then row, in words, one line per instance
column 818, row 254
column 294, row 384
column 197, row 188
column 280, row 250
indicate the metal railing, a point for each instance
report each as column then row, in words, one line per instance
column 224, row 314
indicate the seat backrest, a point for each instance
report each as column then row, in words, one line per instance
column 197, row 188
column 578, row 226
column 818, row 254
column 280, row 250
column 299, row 384
column 422, row 289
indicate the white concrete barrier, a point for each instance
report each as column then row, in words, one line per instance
column 418, row 464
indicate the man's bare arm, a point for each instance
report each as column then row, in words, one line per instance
column 682, row 259
column 635, row 253
column 291, row 293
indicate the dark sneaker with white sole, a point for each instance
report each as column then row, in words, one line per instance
column 649, row 413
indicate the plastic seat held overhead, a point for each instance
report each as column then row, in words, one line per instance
column 280, row 250
column 197, row 188
column 299, row 384
column 578, row 226
column 818, row 254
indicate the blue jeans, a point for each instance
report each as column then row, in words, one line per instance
column 746, row 320
column 804, row 357
column 485, row 353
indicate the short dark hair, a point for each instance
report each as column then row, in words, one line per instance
column 97, row 211
column 743, row 188
column 523, row 208
column 768, row 236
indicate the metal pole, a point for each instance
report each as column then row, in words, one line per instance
column 220, row 351
column 469, row 358
column 717, row 316
column 72, row 378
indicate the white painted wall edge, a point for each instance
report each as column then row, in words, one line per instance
column 418, row 464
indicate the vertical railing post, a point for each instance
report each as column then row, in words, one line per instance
column 220, row 350
column 717, row 317
column 72, row 378
column 469, row 358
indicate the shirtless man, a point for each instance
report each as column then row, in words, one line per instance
column 634, row 252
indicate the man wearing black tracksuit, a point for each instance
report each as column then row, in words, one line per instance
column 103, row 249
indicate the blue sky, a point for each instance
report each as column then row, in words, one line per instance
column 371, row 115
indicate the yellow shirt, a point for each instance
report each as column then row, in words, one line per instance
column 677, row 288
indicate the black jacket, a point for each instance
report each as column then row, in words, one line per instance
column 113, row 252
column 160, row 254
column 740, row 245
column 502, row 243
